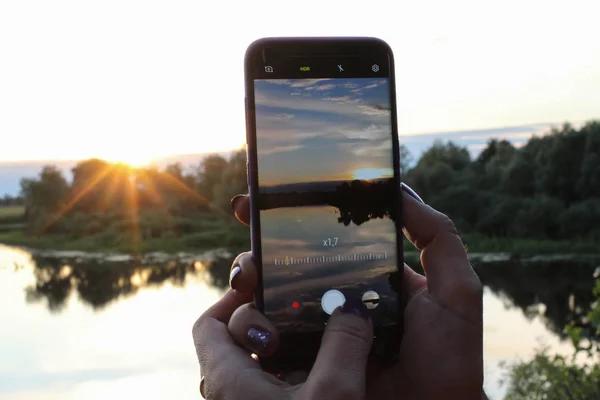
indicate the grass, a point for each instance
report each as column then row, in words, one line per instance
column 238, row 237
column 477, row 243
column 11, row 211
column 12, row 219
column 528, row 247
column 103, row 242
column 206, row 233
column 10, row 215
column 213, row 233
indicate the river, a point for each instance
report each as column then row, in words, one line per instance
column 82, row 326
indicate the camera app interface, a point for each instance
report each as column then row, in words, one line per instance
column 326, row 193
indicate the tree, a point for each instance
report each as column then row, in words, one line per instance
column 518, row 178
column 537, row 218
column 44, row 198
column 559, row 164
column 406, row 160
column 176, row 171
column 210, row 174
column 496, row 149
column 97, row 185
column 497, row 219
column 552, row 378
column 458, row 158
column 581, row 219
column 233, row 181
column 589, row 182
column 557, row 377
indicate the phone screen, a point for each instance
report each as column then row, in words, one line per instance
column 326, row 190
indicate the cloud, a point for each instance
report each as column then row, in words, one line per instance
column 369, row 148
column 324, row 87
column 277, row 81
column 373, row 131
column 296, row 83
column 284, row 116
column 343, row 99
column 273, row 137
column 295, row 96
column 290, row 123
column 506, row 136
column 319, row 105
column 279, row 149
column 303, row 84
column 353, row 136
column 370, row 86
column 340, row 99
column 306, row 82
column 375, row 109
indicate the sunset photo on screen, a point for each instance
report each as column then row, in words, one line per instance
column 326, row 193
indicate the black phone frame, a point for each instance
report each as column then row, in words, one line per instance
column 298, row 352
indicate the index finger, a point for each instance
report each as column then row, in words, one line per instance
column 240, row 205
column 226, row 305
column 208, row 329
column 450, row 278
column 216, row 350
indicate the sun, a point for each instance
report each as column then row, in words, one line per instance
column 133, row 158
column 373, row 173
column 137, row 162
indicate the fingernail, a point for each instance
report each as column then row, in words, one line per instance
column 234, row 272
column 259, row 340
column 235, row 199
column 356, row 307
column 411, row 192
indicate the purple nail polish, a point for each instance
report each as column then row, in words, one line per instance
column 411, row 192
column 259, row 340
column 234, row 272
column 356, row 307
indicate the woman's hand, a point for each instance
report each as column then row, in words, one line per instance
column 441, row 355
column 231, row 330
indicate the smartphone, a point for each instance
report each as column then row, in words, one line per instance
column 324, row 183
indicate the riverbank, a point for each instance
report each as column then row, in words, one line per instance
column 223, row 234
column 477, row 243
column 228, row 237
column 238, row 237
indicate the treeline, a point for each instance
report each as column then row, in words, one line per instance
column 547, row 189
column 118, row 206
column 9, row 200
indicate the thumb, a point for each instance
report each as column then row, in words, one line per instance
column 340, row 368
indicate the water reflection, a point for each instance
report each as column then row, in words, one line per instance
column 98, row 282
column 557, row 291
column 83, row 327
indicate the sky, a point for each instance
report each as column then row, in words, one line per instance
column 311, row 130
column 132, row 80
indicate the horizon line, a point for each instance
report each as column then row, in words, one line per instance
column 547, row 125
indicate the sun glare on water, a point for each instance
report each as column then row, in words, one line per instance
column 373, row 173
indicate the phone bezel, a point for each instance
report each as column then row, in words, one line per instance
column 315, row 46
